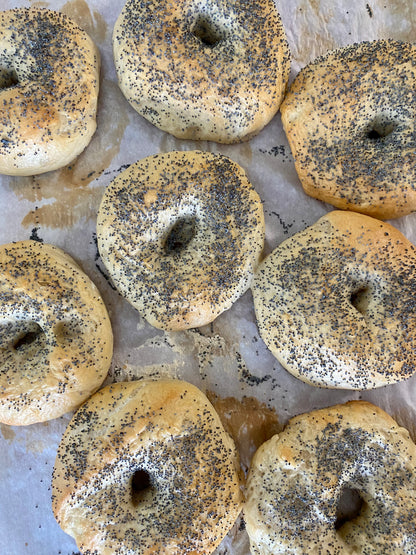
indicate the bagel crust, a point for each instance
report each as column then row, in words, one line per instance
column 350, row 119
column 297, row 479
column 166, row 431
column 335, row 303
column 201, row 69
column 181, row 234
column 56, row 340
column 48, row 90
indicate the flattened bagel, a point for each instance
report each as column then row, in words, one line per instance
column 56, row 341
column 202, row 69
column 181, row 234
column 48, row 90
column 350, row 119
column 146, row 467
column 335, row 303
column 298, row 478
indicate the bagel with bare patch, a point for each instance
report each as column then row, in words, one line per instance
column 146, row 467
column 340, row 480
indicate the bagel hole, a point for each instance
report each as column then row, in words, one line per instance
column 380, row 128
column 8, row 78
column 180, row 235
column 27, row 337
column 141, row 486
column 207, row 31
column 360, row 298
column 349, row 507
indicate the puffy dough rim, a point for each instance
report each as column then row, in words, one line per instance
column 52, row 97
column 224, row 92
column 189, row 288
column 45, row 294
column 355, row 445
column 349, row 117
column 334, row 303
column 121, row 429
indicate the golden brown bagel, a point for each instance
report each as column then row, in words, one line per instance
column 146, row 467
column 56, row 341
column 350, row 119
column 181, row 234
column 298, row 478
column 335, row 303
column 48, row 90
column 212, row 70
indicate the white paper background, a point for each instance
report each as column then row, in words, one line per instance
column 227, row 359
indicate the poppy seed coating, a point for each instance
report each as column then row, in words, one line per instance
column 146, row 467
column 181, row 234
column 48, row 90
column 202, row 69
column 298, row 477
column 350, row 119
column 56, row 341
column 335, row 303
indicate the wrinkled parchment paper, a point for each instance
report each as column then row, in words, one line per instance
column 254, row 395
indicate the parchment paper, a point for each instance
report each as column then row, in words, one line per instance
column 254, row 395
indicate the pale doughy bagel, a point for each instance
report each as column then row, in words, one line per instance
column 203, row 69
column 350, row 119
column 298, row 478
column 181, row 234
column 146, row 467
column 48, row 90
column 335, row 303
column 56, row 340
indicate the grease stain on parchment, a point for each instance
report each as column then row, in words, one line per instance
column 314, row 27
column 92, row 22
column 78, row 10
column 249, row 422
column 65, row 196
column 30, row 437
column 7, row 432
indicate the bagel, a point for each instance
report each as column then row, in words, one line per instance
column 48, row 90
column 56, row 340
column 146, row 467
column 298, row 479
column 202, row 70
column 350, row 121
column 180, row 234
column 335, row 303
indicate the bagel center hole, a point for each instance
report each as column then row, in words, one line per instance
column 380, row 128
column 8, row 78
column 180, row 235
column 27, row 337
column 207, row 31
column 349, row 507
column 141, row 486
column 360, row 299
